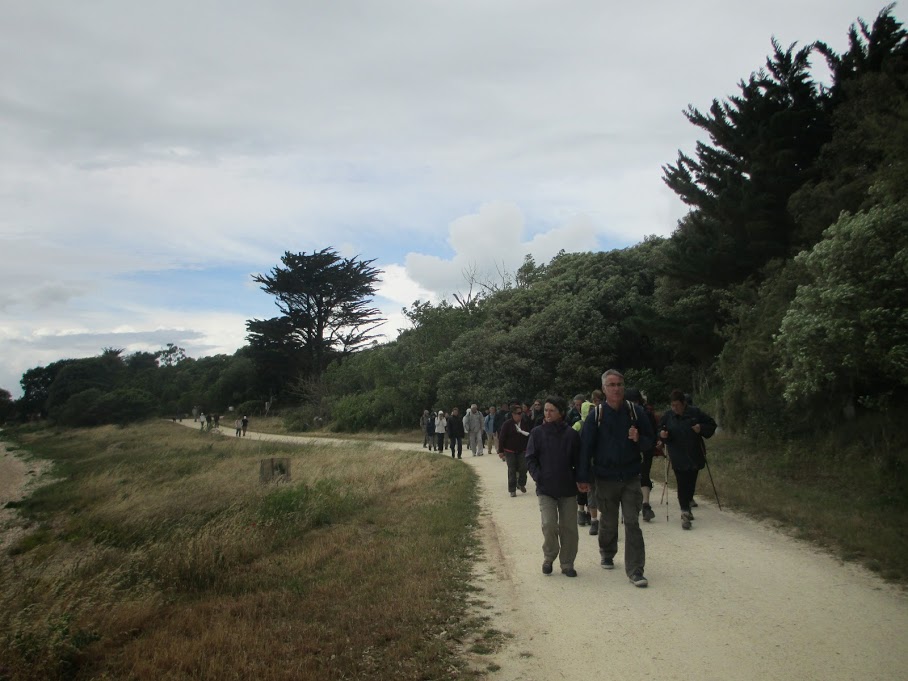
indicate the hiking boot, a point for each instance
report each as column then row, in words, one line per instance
column 607, row 563
column 513, row 494
column 589, row 517
column 685, row 520
column 594, row 527
column 569, row 572
column 648, row 512
column 637, row 579
column 581, row 518
column 693, row 504
column 546, row 568
column 523, row 489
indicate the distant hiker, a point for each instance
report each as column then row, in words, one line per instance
column 682, row 429
column 473, row 422
column 441, row 428
column 553, row 453
column 202, row 421
column 488, row 426
column 455, row 433
column 217, row 420
column 238, row 424
column 423, row 420
column 512, row 445
column 245, row 424
column 611, row 441
column 646, row 483
column 429, row 430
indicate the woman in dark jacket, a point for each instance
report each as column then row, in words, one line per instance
column 682, row 429
column 553, row 452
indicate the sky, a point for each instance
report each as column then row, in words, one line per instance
column 154, row 157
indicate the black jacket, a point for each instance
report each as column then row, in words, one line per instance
column 455, row 426
column 605, row 449
column 553, row 453
column 686, row 448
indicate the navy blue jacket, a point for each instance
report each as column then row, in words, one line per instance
column 552, row 456
column 605, row 450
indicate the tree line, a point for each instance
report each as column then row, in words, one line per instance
column 780, row 296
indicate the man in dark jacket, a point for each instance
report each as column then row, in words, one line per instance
column 512, row 445
column 455, row 432
column 553, row 452
column 611, row 441
column 682, row 429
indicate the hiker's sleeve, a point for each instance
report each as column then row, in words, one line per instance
column 532, row 457
column 707, row 425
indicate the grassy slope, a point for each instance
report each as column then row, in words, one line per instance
column 159, row 556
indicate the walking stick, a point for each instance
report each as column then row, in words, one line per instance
column 668, row 470
column 706, row 461
column 714, row 485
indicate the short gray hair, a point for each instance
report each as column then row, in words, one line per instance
column 612, row 372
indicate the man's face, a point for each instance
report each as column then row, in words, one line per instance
column 516, row 414
column 491, row 410
column 537, row 405
column 550, row 414
column 613, row 387
column 678, row 407
column 455, row 411
column 473, row 408
column 578, row 404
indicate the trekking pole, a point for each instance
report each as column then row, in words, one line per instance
column 713, row 484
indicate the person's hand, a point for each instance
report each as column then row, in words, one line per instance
column 696, row 427
column 633, row 434
column 583, row 487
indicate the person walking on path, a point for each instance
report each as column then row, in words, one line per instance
column 682, row 429
column 429, row 430
column 473, row 422
column 238, row 424
column 553, row 452
column 646, row 483
column 423, row 420
column 488, row 424
column 611, row 441
column 512, row 445
column 245, row 424
column 441, row 427
column 202, row 420
column 455, row 433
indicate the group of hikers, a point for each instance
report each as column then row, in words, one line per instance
column 589, row 462
column 209, row 421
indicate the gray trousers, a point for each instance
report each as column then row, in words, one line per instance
column 476, row 441
column 517, row 470
column 559, row 529
column 626, row 494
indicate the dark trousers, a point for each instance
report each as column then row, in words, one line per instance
column 456, row 443
column 687, row 483
column 517, row 470
column 440, row 441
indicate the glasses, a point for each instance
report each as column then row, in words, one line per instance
column 614, row 385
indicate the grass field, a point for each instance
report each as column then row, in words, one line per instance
column 158, row 555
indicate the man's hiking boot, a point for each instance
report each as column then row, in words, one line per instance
column 569, row 572
column 581, row 518
column 607, row 563
column 594, row 527
column 523, row 489
column 648, row 512
column 546, row 568
column 685, row 520
column 637, row 579
column 513, row 494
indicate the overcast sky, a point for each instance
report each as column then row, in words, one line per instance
column 155, row 155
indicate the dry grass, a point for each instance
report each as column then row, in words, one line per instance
column 161, row 557
column 846, row 500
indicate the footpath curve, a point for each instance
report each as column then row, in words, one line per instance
column 732, row 599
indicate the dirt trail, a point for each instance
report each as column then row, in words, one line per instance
column 732, row 599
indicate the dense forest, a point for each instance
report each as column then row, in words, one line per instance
column 780, row 297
